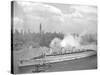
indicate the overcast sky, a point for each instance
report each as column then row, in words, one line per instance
column 64, row 18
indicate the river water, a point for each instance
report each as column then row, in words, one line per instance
column 78, row 64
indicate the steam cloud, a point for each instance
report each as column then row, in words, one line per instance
column 75, row 41
column 70, row 41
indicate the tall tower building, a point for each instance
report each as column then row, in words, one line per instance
column 40, row 28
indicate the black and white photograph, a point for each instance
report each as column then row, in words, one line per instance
column 53, row 37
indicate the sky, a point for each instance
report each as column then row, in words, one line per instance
column 54, row 17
